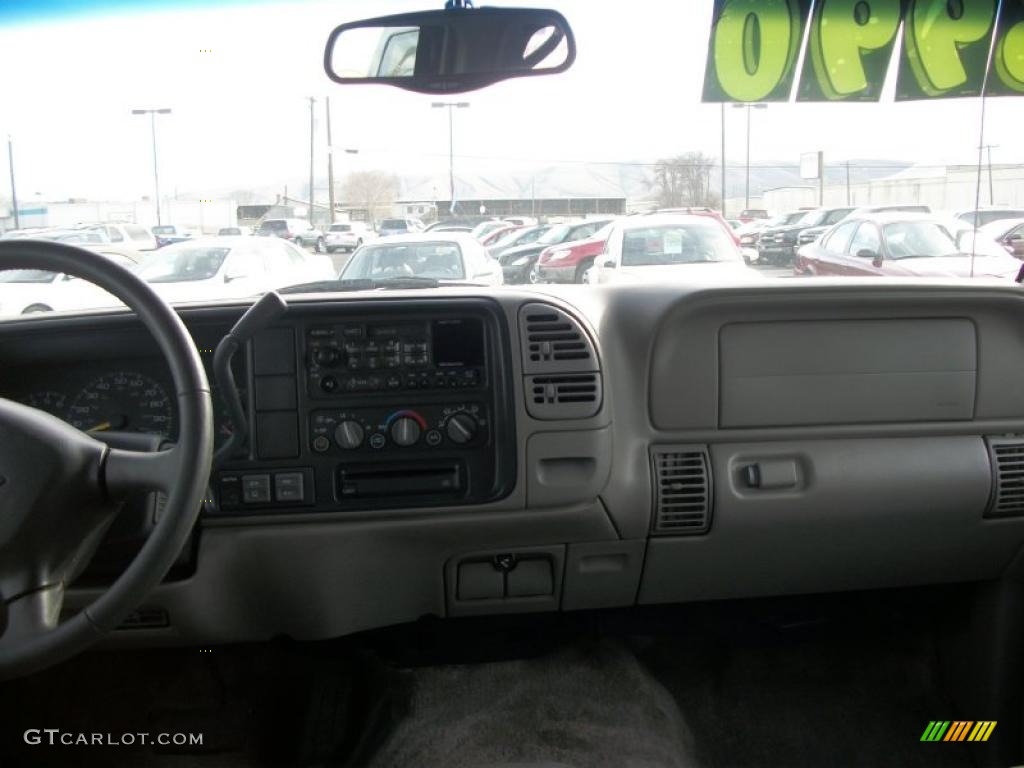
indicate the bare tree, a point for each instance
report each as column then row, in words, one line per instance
column 372, row 190
column 685, row 181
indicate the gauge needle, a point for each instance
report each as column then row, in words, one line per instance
column 102, row 427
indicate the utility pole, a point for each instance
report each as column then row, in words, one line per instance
column 991, row 184
column 312, row 101
column 14, row 192
column 847, row 182
column 451, row 105
column 723, row 160
column 156, row 170
column 748, row 107
column 330, row 158
column 821, row 179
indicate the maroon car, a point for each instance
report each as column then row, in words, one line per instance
column 896, row 245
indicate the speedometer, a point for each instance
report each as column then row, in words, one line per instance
column 123, row 401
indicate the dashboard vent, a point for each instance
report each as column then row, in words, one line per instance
column 554, row 342
column 1008, row 481
column 570, row 396
column 682, row 490
column 562, row 378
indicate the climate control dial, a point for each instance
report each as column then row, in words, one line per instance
column 461, row 428
column 405, row 431
column 349, row 434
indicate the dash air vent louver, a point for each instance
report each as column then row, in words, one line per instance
column 682, row 490
column 563, row 380
column 1008, row 480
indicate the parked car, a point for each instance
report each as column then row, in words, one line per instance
column 703, row 211
column 210, row 268
column 750, row 233
column 522, row 221
column 981, row 217
column 572, row 262
column 298, row 231
column 389, row 227
column 1002, row 235
column 130, row 237
column 234, row 231
column 524, row 236
column 167, row 234
column 348, row 235
column 519, row 263
column 777, row 245
column 749, row 214
column 497, row 234
column 451, row 257
column 30, row 291
column 484, row 228
column 673, row 248
column 898, row 245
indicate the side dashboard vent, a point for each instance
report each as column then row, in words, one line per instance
column 562, row 379
column 682, row 490
column 1008, row 477
column 554, row 342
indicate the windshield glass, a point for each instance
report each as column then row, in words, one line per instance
column 177, row 264
column 442, row 261
column 27, row 276
column 918, row 239
column 226, row 124
column 677, row 244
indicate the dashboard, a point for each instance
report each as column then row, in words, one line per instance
column 566, row 448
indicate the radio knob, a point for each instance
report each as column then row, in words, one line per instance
column 461, row 428
column 405, row 431
column 326, row 357
column 349, row 434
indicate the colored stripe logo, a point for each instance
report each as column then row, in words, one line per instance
column 958, row 730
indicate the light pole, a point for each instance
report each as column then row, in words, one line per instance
column 748, row 107
column 331, row 150
column 724, row 214
column 451, row 105
column 14, row 192
column 312, row 102
column 156, row 171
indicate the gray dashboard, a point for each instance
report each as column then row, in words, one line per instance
column 688, row 445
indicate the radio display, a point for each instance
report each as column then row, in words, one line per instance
column 458, row 342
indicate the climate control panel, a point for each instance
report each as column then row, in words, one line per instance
column 449, row 426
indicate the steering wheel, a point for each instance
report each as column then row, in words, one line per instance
column 61, row 488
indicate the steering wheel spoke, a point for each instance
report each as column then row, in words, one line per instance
column 31, row 615
column 130, row 472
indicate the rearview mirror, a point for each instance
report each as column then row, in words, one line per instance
column 606, row 262
column 450, row 51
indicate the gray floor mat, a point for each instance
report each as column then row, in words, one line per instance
column 589, row 706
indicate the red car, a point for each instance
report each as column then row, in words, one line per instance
column 570, row 262
column 896, row 245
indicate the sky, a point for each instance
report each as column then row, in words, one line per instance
column 238, row 79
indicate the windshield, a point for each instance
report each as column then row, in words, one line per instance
column 438, row 260
column 177, row 264
column 677, row 244
column 224, row 123
column 27, row 276
column 918, row 239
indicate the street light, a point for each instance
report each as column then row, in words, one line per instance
column 451, row 105
column 748, row 107
column 156, row 173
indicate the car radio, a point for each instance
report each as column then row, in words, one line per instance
column 352, row 358
column 379, row 405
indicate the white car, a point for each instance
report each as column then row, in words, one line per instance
column 671, row 248
column 227, row 267
column 348, row 235
column 30, row 291
column 450, row 257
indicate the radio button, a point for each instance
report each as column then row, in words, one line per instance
column 321, row 444
column 328, row 384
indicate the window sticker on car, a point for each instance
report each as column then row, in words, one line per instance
column 754, row 47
